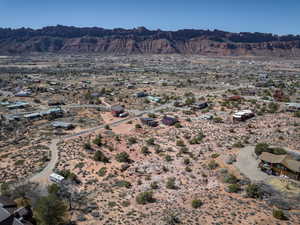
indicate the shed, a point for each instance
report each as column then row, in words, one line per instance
column 168, row 120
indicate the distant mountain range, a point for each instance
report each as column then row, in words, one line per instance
column 65, row 39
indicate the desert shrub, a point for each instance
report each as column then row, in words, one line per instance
column 138, row 126
column 261, row 147
column 197, row 203
column 230, row 179
column 178, row 125
column 253, row 191
column 100, row 157
column 122, row 183
column 154, row 185
column 20, row 162
column 79, row 165
column 218, row 120
column 215, row 155
column 212, row 164
column 171, row 183
column 98, row 140
column 279, row 214
column 132, row 140
column 180, row 143
column 151, row 115
column 278, row 151
column 107, row 127
column 234, row 188
column 273, row 107
column 188, row 169
column 150, row 141
column 123, row 157
column 102, row 172
column 168, row 158
column 186, row 161
column 145, row 197
column 297, row 114
column 238, row 144
column 145, row 150
column 87, row 146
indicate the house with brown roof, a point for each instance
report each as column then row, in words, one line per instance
column 280, row 165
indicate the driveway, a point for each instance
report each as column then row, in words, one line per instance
column 247, row 164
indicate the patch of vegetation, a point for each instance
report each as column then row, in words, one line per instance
column 98, row 141
column 171, row 183
column 102, row 172
column 123, row 157
column 123, row 183
column 100, row 157
column 279, row 214
column 253, row 191
column 197, row 203
column 145, row 150
column 234, row 188
column 145, row 197
column 132, row 140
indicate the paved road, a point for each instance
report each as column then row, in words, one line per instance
column 247, row 164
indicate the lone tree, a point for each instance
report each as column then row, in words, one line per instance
column 50, row 210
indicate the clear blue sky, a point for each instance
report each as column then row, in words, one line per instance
column 273, row 16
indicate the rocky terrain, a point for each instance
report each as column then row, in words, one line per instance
column 62, row 39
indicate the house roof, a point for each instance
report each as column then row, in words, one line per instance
column 285, row 160
column 272, row 158
column 117, row 108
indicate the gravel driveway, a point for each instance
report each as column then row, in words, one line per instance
column 247, row 164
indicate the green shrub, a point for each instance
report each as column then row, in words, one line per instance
column 98, row 140
column 215, row 155
column 154, row 185
column 168, row 158
column 261, row 147
column 20, row 162
column 100, row 157
column 123, row 157
column 123, row 183
column 87, row 146
column 177, row 125
column 230, row 179
column 279, row 214
column 278, row 151
column 297, row 114
column 180, row 143
column 132, row 140
column 171, row 183
column 145, row 197
column 150, row 141
column 253, row 191
column 145, row 150
column 197, row 203
column 102, row 172
column 138, row 126
column 234, row 188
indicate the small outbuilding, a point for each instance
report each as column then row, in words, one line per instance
column 116, row 110
column 168, row 120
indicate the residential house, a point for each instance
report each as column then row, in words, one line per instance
column 280, row 165
column 199, row 105
column 149, row 122
column 116, row 110
column 243, row 115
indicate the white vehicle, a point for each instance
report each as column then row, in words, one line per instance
column 56, row 178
